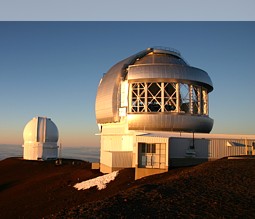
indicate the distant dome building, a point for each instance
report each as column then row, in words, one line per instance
column 144, row 104
column 40, row 139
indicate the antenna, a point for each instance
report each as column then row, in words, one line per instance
column 59, row 160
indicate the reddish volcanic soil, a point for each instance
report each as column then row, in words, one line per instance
column 36, row 189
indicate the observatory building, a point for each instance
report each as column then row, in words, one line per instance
column 152, row 110
column 40, row 139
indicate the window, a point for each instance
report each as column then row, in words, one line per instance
column 147, row 148
column 170, row 96
column 155, row 97
column 151, row 148
column 195, row 93
column 138, row 97
column 151, row 155
column 184, row 98
column 237, row 144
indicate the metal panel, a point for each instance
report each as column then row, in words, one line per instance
column 170, row 122
column 171, row 72
column 149, row 139
column 108, row 93
column 51, row 131
column 179, row 148
column 106, row 99
column 161, row 56
column 122, row 159
column 218, row 148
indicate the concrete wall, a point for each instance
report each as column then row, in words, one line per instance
column 143, row 172
column 116, row 147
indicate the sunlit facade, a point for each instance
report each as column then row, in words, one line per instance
column 156, row 90
column 145, row 100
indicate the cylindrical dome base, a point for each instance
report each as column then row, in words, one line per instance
column 170, row 122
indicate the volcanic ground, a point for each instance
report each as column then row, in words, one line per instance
column 41, row 189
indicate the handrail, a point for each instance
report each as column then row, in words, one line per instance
column 168, row 49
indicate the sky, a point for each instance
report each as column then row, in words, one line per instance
column 53, row 68
column 149, row 10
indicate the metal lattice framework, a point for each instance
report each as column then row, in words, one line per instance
column 151, row 97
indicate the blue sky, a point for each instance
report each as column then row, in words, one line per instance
column 53, row 69
column 142, row 10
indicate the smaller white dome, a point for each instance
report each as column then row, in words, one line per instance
column 40, row 129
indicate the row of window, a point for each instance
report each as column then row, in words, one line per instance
column 167, row 97
column 152, row 155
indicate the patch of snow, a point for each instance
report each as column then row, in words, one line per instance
column 99, row 181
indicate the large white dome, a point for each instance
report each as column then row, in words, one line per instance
column 40, row 129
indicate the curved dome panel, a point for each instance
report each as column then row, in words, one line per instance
column 107, row 99
column 30, row 131
column 160, row 56
column 170, row 72
column 51, row 131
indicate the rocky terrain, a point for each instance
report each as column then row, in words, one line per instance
column 35, row 189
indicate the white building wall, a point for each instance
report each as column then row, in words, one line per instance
column 116, row 146
column 210, row 148
column 37, row 150
column 128, row 142
column 117, row 143
column 114, row 128
column 106, row 158
column 50, row 151
column 119, row 147
column 221, row 148
column 32, row 151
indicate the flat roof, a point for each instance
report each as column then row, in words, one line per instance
column 196, row 135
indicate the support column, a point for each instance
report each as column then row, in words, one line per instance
column 146, row 97
column 130, row 90
column 177, row 97
column 199, row 100
column 191, row 98
column 162, row 87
